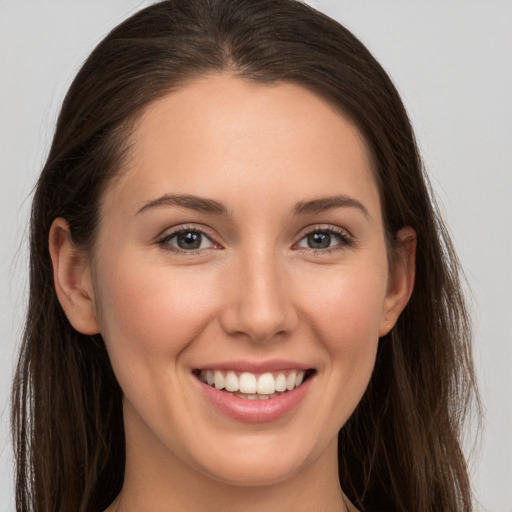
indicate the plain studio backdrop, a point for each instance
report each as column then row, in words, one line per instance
column 452, row 62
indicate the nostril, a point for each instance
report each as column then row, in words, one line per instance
column 259, row 330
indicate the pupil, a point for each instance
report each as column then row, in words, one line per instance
column 319, row 240
column 189, row 240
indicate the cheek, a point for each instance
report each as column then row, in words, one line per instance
column 344, row 309
column 351, row 337
column 149, row 312
column 348, row 304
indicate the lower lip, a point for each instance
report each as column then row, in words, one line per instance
column 255, row 411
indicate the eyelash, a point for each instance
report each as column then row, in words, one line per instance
column 164, row 241
column 345, row 239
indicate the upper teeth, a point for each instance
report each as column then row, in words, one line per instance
column 246, row 382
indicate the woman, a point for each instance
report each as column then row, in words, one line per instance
column 241, row 294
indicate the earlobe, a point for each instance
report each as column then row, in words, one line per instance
column 401, row 279
column 72, row 279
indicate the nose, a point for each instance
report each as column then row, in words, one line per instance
column 258, row 301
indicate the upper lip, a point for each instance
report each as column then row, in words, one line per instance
column 272, row 365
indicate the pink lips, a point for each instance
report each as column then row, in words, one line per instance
column 255, row 411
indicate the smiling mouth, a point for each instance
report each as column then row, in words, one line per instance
column 253, row 386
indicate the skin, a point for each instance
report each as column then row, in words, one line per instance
column 255, row 290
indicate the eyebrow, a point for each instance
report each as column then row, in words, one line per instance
column 324, row 204
column 191, row 202
column 211, row 206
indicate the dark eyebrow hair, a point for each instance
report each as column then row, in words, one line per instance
column 323, row 204
column 205, row 205
column 191, row 202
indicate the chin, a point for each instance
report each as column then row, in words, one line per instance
column 255, row 472
column 263, row 462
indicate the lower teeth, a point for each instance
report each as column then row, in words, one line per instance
column 255, row 396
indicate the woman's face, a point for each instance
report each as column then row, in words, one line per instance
column 243, row 246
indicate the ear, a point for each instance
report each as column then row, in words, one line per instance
column 401, row 279
column 72, row 279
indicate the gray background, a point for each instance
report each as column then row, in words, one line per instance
column 452, row 62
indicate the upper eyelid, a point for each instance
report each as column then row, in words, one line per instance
column 323, row 227
column 170, row 232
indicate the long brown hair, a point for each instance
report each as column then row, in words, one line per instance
column 401, row 448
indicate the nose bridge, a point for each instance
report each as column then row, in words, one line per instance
column 259, row 305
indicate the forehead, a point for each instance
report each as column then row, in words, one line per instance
column 225, row 137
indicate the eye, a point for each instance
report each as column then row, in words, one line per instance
column 325, row 239
column 186, row 240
